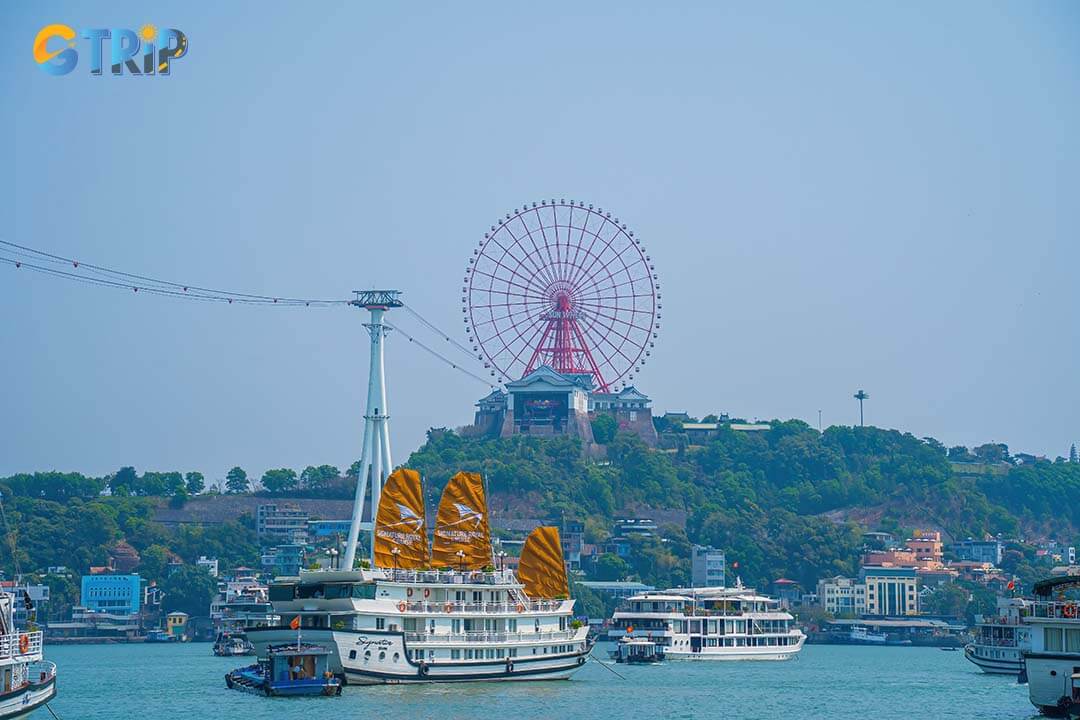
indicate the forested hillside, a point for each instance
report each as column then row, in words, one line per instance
column 780, row 502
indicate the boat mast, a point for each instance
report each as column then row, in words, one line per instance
column 375, row 457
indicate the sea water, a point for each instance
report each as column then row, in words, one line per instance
column 826, row 681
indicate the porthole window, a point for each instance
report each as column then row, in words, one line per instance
column 396, row 657
column 382, row 654
column 367, row 654
column 352, row 654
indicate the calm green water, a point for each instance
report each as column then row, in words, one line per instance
column 174, row 681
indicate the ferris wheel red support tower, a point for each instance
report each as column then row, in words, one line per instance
column 562, row 346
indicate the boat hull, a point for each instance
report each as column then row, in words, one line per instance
column 1050, row 683
column 25, row 700
column 382, row 657
column 993, row 666
column 768, row 652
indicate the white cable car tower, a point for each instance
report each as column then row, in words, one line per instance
column 375, row 460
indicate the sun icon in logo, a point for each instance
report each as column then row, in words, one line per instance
column 148, row 33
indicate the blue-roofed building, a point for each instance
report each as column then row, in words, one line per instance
column 116, row 594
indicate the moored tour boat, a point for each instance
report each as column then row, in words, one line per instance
column 1000, row 639
column 710, row 624
column 438, row 614
column 29, row 681
column 1052, row 663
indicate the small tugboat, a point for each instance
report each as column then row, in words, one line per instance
column 637, row 650
column 232, row 645
column 294, row 669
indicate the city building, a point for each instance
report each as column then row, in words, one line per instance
column 284, row 560
column 707, row 566
column 280, row 523
column 891, row 591
column 572, row 538
column 642, row 527
column 982, row 551
column 115, row 594
column 842, row 596
column 787, row 592
column 326, row 529
column 211, row 565
column 927, row 547
column 176, row 624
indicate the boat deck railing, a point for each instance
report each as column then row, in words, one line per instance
column 489, row 637
column 20, row 645
column 423, row 606
column 996, row 642
column 1066, row 610
column 453, row 577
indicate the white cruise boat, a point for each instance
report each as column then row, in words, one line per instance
column 1053, row 661
column 710, row 624
column 29, row 681
column 1000, row 639
column 444, row 617
column 863, row 636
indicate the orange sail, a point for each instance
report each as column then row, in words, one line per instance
column 400, row 529
column 541, row 569
column 462, row 535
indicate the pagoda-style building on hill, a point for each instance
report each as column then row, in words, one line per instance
column 545, row 403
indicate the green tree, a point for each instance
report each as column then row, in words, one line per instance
column 236, row 480
column 604, row 428
column 123, row 481
column 189, row 589
column 611, row 567
column 153, row 562
column 319, row 478
column 196, row 483
column 277, row 481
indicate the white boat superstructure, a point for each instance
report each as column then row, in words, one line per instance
column 862, row 635
column 710, row 624
column 1001, row 638
column 1053, row 661
column 29, row 681
column 395, row 626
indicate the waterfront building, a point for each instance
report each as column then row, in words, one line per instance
column 891, row 591
column 981, row 551
column 707, row 566
column 211, row 565
column 842, row 596
column 176, row 624
column 787, row 592
column 115, row 594
column 278, row 523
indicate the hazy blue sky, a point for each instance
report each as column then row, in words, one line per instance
column 836, row 195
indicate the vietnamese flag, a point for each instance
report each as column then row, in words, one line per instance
column 295, row 624
column 1011, row 585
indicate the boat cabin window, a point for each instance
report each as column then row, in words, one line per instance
column 329, row 591
column 282, row 592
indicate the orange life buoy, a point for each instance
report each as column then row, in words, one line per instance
column 520, row 607
column 24, row 644
column 408, row 592
column 448, row 607
column 401, row 606
column 1069, row 612
column 427, row 592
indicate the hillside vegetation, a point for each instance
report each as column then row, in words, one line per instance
column 777, row 501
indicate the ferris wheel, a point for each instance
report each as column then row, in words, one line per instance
column 563, row 284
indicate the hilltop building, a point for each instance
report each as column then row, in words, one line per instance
column 280, row 523
column 545, row 403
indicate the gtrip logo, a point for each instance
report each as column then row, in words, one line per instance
column 150, row 51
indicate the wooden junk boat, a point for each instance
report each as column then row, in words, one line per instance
column 293, row 669
column 637, row 650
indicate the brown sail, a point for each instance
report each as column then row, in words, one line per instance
column 541, row 569
column 462, row 535
column 400, row 529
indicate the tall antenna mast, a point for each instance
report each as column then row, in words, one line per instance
column 375, row 460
